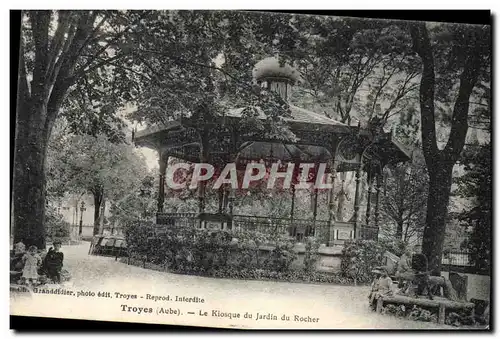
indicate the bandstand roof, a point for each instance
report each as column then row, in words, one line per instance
column 299, row 115
column 318, row 137
column 171, row 138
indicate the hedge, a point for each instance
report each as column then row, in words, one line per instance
column 230, row 254
column 190, row 249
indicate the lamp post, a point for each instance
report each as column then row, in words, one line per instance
column 82, row 209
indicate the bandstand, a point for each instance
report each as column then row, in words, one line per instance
column 319, row 139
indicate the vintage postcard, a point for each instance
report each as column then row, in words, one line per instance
column 252, row 170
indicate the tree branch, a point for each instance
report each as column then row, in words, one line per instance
column 459, row 124
column 57, row 43
column 23, row 87
column 40, row 21
column 62, row 80
column 422, row 45
column 86, row 67
column 402, row 92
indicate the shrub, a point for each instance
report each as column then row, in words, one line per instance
column 459, row 319
column 311, row 254
column 420, row 314
column 202, row 251
column 359, row 257
column 396, row 310
column 57, row 228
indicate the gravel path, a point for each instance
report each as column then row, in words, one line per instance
column 340, row 307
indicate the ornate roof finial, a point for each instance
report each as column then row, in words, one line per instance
column 276, row 76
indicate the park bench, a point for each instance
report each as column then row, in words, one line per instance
column 458, row 291
column 115, row 246
column 442, row 304
column 458, row 282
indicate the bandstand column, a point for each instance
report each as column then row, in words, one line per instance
column 315, row 212
column 201, row 197
column 230, row 193
column 315, row 204
column 295, row 176
column 221, row 198
column 161, row 183
column 368, row 198
column 331, row 205
column 357, row 199
column 377, row 197
column 293, row 203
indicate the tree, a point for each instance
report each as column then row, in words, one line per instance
column 365, row 69
column 137, row 204
column 451, row 52
column 403, row 200
column 106, row 170
column 60, row 51
column 363, row 56
column 476, row 184
column 212, row 74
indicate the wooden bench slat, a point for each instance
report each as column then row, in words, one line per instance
column 401, row 299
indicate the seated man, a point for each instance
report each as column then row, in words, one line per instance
column 53, row 262
column 404, row 264
column 404, row 272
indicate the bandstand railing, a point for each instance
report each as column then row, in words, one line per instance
column 297, row 228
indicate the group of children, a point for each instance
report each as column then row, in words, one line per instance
column 412, row 275
column 33, row 266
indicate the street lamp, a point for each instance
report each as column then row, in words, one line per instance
column 82, row 209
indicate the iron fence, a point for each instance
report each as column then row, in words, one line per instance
column 457, row 258
column 463, row 261
column 298, row 228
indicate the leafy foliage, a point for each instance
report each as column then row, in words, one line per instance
column 57, row 227
column 372, row 57
column 476, row 184
column 222, row 254
column 359, row 257
column 103, row 169
column 455, row 58
column 193, row 250
column 311, row 254
column 404, row 198
column 212, row 74
column 420, row 314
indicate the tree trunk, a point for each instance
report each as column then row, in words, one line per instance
column 399, row 229
column 29, row 193
column 440, row 162
column 440, row 179
column 101, row 217
column 28, row 189
column 407, row 230
column 38, row 102
column 97, row 210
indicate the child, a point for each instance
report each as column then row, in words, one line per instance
column 382, row 285
column 31, row 262
column 53, row 262
column 19, row 248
